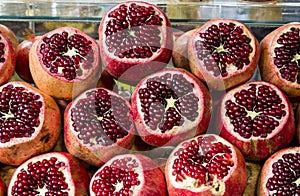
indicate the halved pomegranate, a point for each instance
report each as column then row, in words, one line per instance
column 169, row 106
column 135, row 40
column 128, row 174
column 54, row 173
column 223, row 53
column 258, row 118
column 205, row 165
column 9, row 33
column 30, row 122
column 98, row 124
column 280, row 58
column 65, row 62
column 280, row 174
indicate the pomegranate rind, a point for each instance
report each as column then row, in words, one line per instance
column 2, row 187
column 178, row 133
column 297, row 123
column 235, row 77
column 43, row 139
column 257, row 148
column 234, row 183
column 95, row 155
column 150, row 175
column 74, row 172
column 7, row 68
column 268, row 70
column 5, row 30
column 266, row 171
column 133, row 70
column 55, row 85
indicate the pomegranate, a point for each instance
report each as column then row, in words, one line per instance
column 54, row 173
column 169, row 106
column 297, row 122
column 7, row 32
column 2, row 187
column 135, row 40
column 280, row 173
column 107, row 81
column 30, row 122
column 223, row 53
column 98, row 124
column 205, row 165
column 252, row 171
column 22, row 56
column 128, row 174
column 64, row 62
column 257, row 118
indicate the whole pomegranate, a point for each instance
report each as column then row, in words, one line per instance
column 257, row 118
column 280, row 173
column 9, row 34
column 205, row 165
column 135, row 40
column 169, row 106
column 54, row 173
column 223, row 53
column 64, row 62
column 128, row 174
column 2, row 187
column 98, row 124
column 280, row 56
column 30, row 122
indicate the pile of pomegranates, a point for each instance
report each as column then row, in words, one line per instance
column 210, row 112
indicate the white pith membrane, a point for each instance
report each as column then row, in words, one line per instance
column 10, row 115
column 171, row 104
column 215, row 185
column 65, row 170
column 83, row 67
column 131, row 31
column 253, row 114
column 119, row 185
column 230, row 68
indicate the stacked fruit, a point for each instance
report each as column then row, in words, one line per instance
column 197, row 123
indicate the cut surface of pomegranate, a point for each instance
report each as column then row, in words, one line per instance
column 205, row 165
column 223, row 53
column 55, row 173
column 30, row 122
column 128, row 174
column 257, row 117
column 280, row 174
column 7, row 59
column 9, row 33
column 64, row 62
column 280, row 57
column 98, row 124
column 169, row 106
column 135, row 40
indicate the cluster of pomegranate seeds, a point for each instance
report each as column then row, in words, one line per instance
column 2, row 48
column 19, row 113
column 101, row 118
column 286, row 175
column 117, row 178
column 287, row 55
column 67, row 55
column 202, row 159
column 42, row 178
column 255, row 111
column 133, row 31
column 224, row 48
column 167, row 101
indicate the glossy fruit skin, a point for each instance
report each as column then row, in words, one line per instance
column 2, row 187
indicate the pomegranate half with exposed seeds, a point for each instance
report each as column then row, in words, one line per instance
column 65, row 62
column 169, row 106
column 7, row 59
column 55, row 173
column 136, row 39
column 257, row 118
column 280, row 174
column 9, row 33
column 128, row 174
column 30, row 122
column 223, row 53
column 98, row 124
column 205, row 165
column 280, row 58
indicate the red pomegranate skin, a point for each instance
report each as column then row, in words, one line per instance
column 2, row 187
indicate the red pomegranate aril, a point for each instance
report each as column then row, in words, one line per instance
column 135, row 40
column 258, row 118
column 30, row 122
column 128, row 174
column 7, row 59
column 205, row 165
